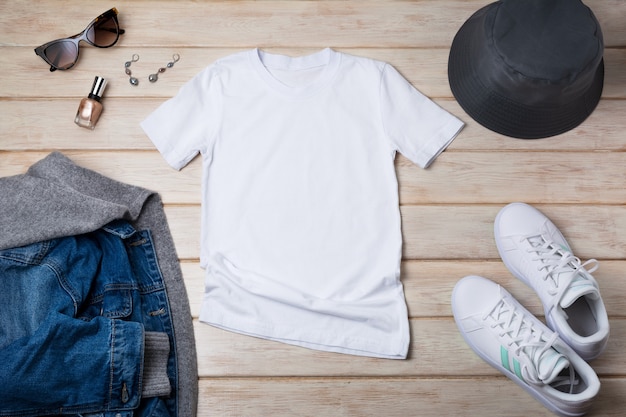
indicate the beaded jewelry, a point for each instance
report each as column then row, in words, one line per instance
column 152, row 77
column 132, row 80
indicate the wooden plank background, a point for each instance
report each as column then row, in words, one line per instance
column 577, row 179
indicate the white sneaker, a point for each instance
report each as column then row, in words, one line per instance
column 536, row 252
column 509, row 338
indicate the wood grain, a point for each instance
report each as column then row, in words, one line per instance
column 393, row 397
column 448, row 210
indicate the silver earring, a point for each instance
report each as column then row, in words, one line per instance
column 154, row 77
column 132, row 80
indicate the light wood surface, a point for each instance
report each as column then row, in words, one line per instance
column 577, row 179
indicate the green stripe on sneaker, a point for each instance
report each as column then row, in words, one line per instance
column 518, row 371
column 504, row 358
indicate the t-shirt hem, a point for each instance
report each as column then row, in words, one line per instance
column 327, row 342
column 439, row 143
column 172, row 160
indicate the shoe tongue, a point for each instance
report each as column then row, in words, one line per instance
column 578, row 288
column 550, row 364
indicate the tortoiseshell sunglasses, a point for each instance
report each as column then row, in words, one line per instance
column 102, row 32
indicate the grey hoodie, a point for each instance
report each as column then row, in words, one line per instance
column 57, row 198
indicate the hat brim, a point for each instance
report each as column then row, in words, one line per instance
column 503, row 114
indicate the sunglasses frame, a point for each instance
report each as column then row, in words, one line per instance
column 82, row 36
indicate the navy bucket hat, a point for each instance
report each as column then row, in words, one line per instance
column 528, row 69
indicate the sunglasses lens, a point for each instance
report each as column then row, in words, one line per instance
column 62, row 54
column 103, row 33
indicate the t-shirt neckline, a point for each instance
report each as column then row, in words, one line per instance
column 327, row 59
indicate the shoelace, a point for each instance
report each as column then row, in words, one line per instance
column 528, row 343
column 556, row 260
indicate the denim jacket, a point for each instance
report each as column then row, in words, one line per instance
column 94, row 316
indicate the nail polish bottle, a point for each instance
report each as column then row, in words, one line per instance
column 90, row 107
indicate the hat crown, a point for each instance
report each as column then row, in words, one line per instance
column 550, row 40
column 528, row 68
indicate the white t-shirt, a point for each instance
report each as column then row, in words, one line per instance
column 301, row 237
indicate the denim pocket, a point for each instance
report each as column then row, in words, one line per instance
column 154, row 407
column 117, row 303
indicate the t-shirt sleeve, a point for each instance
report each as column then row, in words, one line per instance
column 417, row 127
column 185, row 125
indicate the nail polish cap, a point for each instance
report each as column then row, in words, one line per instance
column 97, row 89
